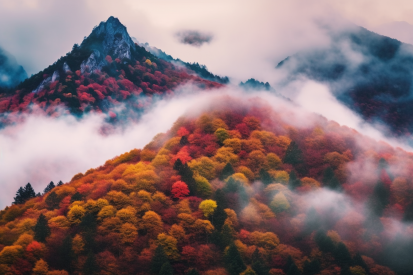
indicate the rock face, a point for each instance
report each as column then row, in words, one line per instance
column 11, row 73
column 114, row 40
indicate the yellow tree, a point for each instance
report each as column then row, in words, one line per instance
column 169, row 245
column 77, row 244
column 128, row 233
column 76, row 214
column 152, row 222
column 208, row 207
column 41, row 268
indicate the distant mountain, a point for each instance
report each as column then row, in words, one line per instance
column 201, row 70
column 253, row 84
column 370, row 73
column 11, row 73
column 399, row 30
column 107, row 69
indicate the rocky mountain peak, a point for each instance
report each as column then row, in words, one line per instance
column 109, row 38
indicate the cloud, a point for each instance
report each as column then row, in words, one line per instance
column 44, row 149
column 194, row 38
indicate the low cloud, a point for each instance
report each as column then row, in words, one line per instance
column 44, row 149
column 194, row 38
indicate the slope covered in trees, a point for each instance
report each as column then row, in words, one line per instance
column 104, row 71
column 234, row 190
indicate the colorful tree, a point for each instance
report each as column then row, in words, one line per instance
column 208, row 207
column 180, row 190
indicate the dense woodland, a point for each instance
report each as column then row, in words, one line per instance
column 226, row 192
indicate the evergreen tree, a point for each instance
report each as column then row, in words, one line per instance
column 330, row 180
column 379, row 199
column 186, row 174
column 231, row 186
column 218, row 217
column 66, row 255
column 311, row 268
column 293, row 270
column 293, row 155
column 289, row 263
column 52, row 201
column 227, row 237
column 88, row 223
column 60, row 183
column 294, row 181
column 158, row 260
column 193, row 271
column 166, row 269
column 265, row 177
column 227, row 171
column 324, row 242
column 49, row 187
column 20, row 196
column 342, row 255
column 178, row 165
column 29, row 191
column 184, row 141
column 41, row 229
column 258, row 265
column 219, row 197
column 76, row 197
column 90, row 267
column 233, row 261
column 358, row 260
column 24, row 194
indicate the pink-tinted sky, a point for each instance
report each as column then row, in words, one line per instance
column 248, row 36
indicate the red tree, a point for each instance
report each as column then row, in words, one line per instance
column 180, row 189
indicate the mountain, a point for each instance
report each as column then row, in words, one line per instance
column 201, row 70
column 399, row 30
column 106, row 70
column 235, row 190
column 370, row 73
column 11, row 73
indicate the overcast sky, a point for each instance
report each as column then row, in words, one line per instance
column 250, row 36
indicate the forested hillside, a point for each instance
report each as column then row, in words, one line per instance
column 234, row 190
column 106, row 71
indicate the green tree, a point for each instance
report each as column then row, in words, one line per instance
column 65, row 254
column 265, row 177
column 379, row 199
column 293, row 270
column 342, row 255
column 258, row 264
column 166, row 269
column 227, row 171
column 76, row 197
column 49, row 187
column 219, row 217
column 233, row 261
column 41, row 229
column 324, row 242
column 90, row 267
column 330, row 180
column 158, row 259
column 294, row 181
column 52, row 201
column 293, row 155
